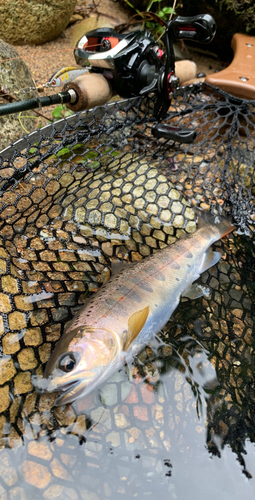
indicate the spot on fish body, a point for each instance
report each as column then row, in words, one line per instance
column 175, row 265
column 145, row 286
column 159, row 276
column 110, row 302
column 120, row 310
column 188, row 255
column 134, row 296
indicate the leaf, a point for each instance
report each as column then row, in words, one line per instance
column 150, row 25
column 94, row 164
column 63, row 151
column 68, row 112
column 57, row 112
column 90, row 155
column 167, row 10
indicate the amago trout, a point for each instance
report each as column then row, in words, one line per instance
column 129, row 310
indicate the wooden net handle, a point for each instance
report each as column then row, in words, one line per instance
column 239, row 77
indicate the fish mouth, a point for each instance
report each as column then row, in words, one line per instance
column 69, row 392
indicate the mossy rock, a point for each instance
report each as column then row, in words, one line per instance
column 34, row 23
column 14, row 75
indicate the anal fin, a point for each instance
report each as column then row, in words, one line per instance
column 210, row 259
column 195, row 291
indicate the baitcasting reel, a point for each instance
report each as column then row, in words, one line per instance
column 133, row 64
column 129, row 65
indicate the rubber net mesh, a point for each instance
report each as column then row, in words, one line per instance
column 76, row 196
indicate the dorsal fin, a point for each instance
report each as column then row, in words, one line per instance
column 135, row 325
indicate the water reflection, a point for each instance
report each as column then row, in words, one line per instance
column 182, row 427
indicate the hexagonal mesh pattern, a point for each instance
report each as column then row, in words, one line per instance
column 96, row 188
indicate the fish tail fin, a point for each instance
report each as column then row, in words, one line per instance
column 223, row 224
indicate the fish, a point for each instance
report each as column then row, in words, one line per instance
column 129, row 310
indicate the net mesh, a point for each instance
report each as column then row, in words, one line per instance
column 76, row 196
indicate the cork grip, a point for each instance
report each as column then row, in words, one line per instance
column 239, row 77
column 185, row 70
column 93, row 89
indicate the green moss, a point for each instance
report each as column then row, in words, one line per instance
column 244, row 9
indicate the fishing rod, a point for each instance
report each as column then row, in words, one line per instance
column 128, row 65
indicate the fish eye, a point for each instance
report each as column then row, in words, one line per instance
column 67, row 363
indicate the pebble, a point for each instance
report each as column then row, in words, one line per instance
column 36, row 474
column 109, row 394
column 113, row 438
column 40, row 449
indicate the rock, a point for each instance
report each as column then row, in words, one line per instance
column 4, row 398
column 74, row 18
column 36, row 474
column 34, row 23
column 14, row 75
column 108, row 394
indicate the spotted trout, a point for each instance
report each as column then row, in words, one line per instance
column 129, row 310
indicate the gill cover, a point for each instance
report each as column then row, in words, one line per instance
column 81, row 360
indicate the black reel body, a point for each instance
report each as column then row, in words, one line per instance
column 135, row 65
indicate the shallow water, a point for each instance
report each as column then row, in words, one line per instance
column 182, row 427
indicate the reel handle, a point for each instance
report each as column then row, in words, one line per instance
column 201, row 28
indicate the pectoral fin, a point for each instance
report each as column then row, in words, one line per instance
column 210, row 259
column 135, row 325
column 195, row 291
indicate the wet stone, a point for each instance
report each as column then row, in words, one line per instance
column 14, row 409
column 174, row 194
column 7, row 369
column 159, row 235
column 60, row 314
column 32, row 336
column 44, row 352
column 29, row 404
column 53, row 332
column 40, row 450
column 10, row 343
column 108, row 394
column 141, row 412
column 5, row 304
column 26, row 359
column 55, row 490
column 46, row 401
column 178, row 221
column 7, row 473
column 2, row 266
column 190, row 227
column 23, row 303
column 113, row 438
column 36, row 474
column 189, row 213
column 4, row 398
column 39, row 317
column 22, row 383
column 1, row 325
column 9, row 284
column 110, row 221
column 65, row 415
